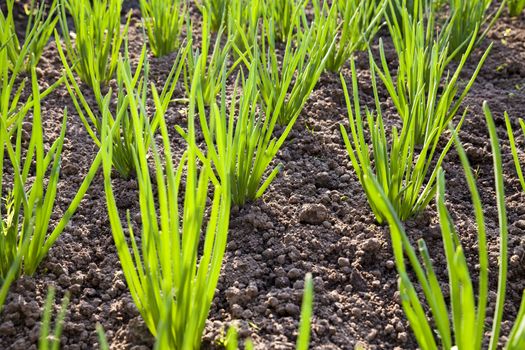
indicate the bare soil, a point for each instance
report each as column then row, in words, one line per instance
column 313, row 218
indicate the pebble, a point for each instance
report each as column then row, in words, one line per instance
column 356, row 312
column 340, row 171
column 323, row 180
column 294, row 199
column 70, row 169
column 389, row 329
column 236, row 311
column 294, row 273
column 247, row 314
column 27, row 126
column 64, row 281
column 7, row 328
column 318, row 282
column 252, row 291
column 273, row 301
column 292, row 309
column 371, row 245
column 281, row 282
column 402, row 337
column 345, row 178
column 233, row 295
column 39, row 72
column 299, row 284
column 75, row 289
column 372, row 335
column 515, row 261
column 313, row 214
column 520, row 224
column 343, row 262
column 268, row 253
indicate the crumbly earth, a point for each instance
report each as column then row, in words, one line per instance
column 313, row 218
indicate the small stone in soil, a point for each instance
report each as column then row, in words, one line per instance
column 292, row 309
column 313, row 214
column 343, row 262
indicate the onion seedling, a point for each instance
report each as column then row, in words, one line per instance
column 424, row 92
column 303, row 339
column 516, row 7
column 285, row 84
column 210, row 68
column 28, row 204
column 12, row 114
column 40, row 26
column 406, row 173
column 353, row 22
column 47, row 341
column 460, row 325
column 216, row 10
column 243, row 22
column 467, row 18
column 12, row 64
column 239, row 138
column 173, row 273
column 102, row 339
column 123, row 139
column 93, row 49
column 514, row 149
column 10, row 110
column 394, row 7
column 164, row 20
column 285, row 15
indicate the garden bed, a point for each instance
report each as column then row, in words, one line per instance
column 313, row 218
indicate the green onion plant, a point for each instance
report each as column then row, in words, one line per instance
column 243, row 22
column 123, row 139
column 12, row 109
column 240, row 140
column 12, row 85
column 514, row 148
column 93, row 49
column 303, row 339
column 424, row 91
column 285, row 15
column 27, row 205
column 10, row 104
column 461, row 324
column 173, row 271
column 102, row 339
column 10, row 119
column 217, row 11
column 516, row 7
column 286, row 84
column 48, row 341
column 353, row 22
column 40, row 26
column 164, row 20
column 232, row 340
column 239, row 137
column 467, row 18
column 212, row 63
column 406, row 173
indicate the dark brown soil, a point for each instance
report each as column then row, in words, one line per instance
column 314, row 218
